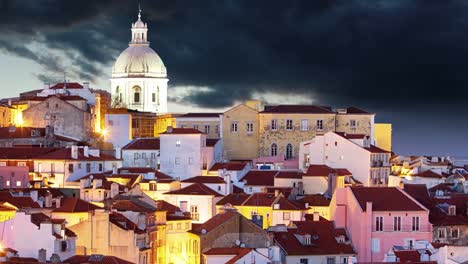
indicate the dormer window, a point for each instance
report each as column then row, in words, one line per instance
column 452, row 210
column 340, row 239
column 307, row 240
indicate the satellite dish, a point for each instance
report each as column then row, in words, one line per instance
column 203, row 231
column 238, row 242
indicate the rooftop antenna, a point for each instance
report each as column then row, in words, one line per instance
column 139, row 11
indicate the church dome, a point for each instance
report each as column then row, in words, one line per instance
column 139, row 61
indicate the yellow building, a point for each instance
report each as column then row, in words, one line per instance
column 208, row 123
column 383, row 136
column 181, row 245
column 284, row 127
column 264, row 209
column 353, row 120
column 240, row 133
column 7, row 212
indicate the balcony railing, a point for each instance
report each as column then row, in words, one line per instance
column 403, row 228
column 379, row 163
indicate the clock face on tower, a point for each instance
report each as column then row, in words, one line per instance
column 139, row 76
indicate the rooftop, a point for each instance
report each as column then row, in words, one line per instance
column 143, row 144
column 385, row 199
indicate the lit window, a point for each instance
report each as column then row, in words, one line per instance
column 7, row 183
column 289, row 125
column 18, row 183
column 319, row 124
column 194, row 212
column 177, row 143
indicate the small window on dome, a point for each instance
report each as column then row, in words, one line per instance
column 136, row 94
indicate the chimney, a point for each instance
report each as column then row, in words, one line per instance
column 86, row 151
column 74, row 152
column 34, row 195
column 114, row 170
column 58, row 202
column 316, row 217
column 114, row 189
column 118, row 152
column 55, row 258
column 42, row 255
column 169, row 129
column 277, row 192
column 48, row 200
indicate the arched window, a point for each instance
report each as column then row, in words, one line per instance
column 289, row 151
column 136, row 94
column 274, row 150
column 118, row 94
column 157, row 95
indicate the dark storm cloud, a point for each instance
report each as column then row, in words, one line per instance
column 379, row 54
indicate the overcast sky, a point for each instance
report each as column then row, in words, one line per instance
column 405, row 60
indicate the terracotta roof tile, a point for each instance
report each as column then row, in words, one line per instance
column 324, row 171
column 182, row 131
column 205, row 179
column 97, row 259
column 260, row 199
column 315, row 200
column 21, row 132
column 374, row 149
column 68, row 85
column 200, row 115
column 75, row 205
column 260, row 177
column 195, row 189
column 323, row 240
column 18, row 201
column 214, row 222
column 65, row 154
column 133, row 205
column 289, row 174
column 143, row 144
column 24, row 153
column 297, row 109
column 123, row 222
column 229, row 166
column 407, row 255
column 234, row 199
column 428, row 174
column 384, row 199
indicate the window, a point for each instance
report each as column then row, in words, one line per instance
column 274, row 150
column 177, row 161
column 136, row 94
column 22, row 163
column 177, row 143
column 152, row 186
column 195, row 127
column 289, row 125
column 190, row 160
column 157, row 89
column 441, row 233
column 409, row 243
column 415, row 223
column 397, row 223
column 304, row 261
column 18, row 183
column 194, row 212
column 183, row 206
column 286, row 215
column 234, row 127
column 453, row 232
column 331, row 260
column 379, row 223
column 352, row 123
column 56, row 106
column 70, row 168
column 2, row 163
column 143, row 155
column 319, row 124
column 304, row 125
column 217, row 129
column 274, row 124
column 153, row 97
column 375, row 245
column 289, row 151
column 52, row 167
column 344, row 260
column 79, row 166
column 219, row 188
column 100, row 166
column 7, row 183
column 153, row 155
column 452, row 210
column 88, row 167
column 207, row 129
column 179, row 226
column 136, row 156
column 169, row 227
column 249, row 127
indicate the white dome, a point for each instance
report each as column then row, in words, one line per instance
column 139, row 61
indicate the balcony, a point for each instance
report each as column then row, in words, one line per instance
column 403, row 228
column 379, row 163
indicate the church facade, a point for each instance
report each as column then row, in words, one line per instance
column 139, row 77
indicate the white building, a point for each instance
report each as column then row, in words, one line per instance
column 64, row 166
column 139, row 77
column 367, row 163
column 184, row 153
column 197, row 199
column 141, row 152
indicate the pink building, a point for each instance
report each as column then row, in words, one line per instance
column 378, row 218
column 14, row 177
